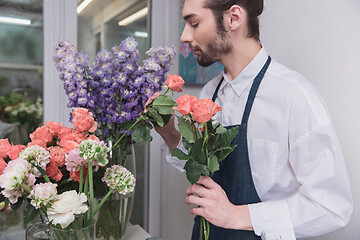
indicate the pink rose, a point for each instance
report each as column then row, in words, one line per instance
column 37, row 143
column 42, row 133
column 185, row 103
column 63, row 131
column 3, row 165
column 175, row 82
column 74, row 135
column 5, row 146
column 54, row 127
column 53, row 171
column 203, row 110
column 83, row 120
column 57, row 154
column 13, row 153
column 69, row 145
column 93, row 137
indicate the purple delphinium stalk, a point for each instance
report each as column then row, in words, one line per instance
column 72, row 66
column 115, row 87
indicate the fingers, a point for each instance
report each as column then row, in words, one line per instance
column 196, row 189
column 207, row 182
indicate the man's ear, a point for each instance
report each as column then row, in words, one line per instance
column 234, row 17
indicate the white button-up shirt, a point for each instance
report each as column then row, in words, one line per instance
column 296, row 162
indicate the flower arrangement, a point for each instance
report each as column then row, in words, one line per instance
column 54, row 172
column 207, row 143
column 115, row 87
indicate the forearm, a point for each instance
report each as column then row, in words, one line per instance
column 170, row 136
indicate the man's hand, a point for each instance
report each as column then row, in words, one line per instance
column 214, row 205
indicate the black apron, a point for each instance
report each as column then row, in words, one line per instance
column 234, row 175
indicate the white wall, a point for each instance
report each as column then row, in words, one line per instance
column 321, row 40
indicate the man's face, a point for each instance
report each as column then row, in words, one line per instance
column 202, row 34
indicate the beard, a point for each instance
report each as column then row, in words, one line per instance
column 215, row 48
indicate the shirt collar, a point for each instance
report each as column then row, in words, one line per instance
column 248, row 74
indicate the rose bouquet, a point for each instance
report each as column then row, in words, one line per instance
column 207, row 143
column 54, row 173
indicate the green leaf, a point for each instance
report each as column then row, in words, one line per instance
column 164, row 104
column 186, row 129
column 220, row 129
column 226, row 151
column 156, row 116
column 205, row 171
column 193, row 171
column 30, row 213
column 141, row 134
column 166, row 118
column 228, row 136
column 213, row 164
column 196, row 148
column 126, row 125
column 179, row 154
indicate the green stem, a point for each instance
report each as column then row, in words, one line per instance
column 103, row 201
column 205, row 143
column 41, row 171
column 81, row 179
column 86, row 189
column 122, row 136
column 91, row 188
column 166, row 91
column 25, row 187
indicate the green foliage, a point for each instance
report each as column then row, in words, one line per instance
column 30, row 213
column 186, row 129
column 206, row 147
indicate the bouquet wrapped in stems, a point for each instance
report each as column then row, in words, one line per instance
column 207, row 143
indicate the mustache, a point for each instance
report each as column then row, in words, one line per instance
column 196, row 48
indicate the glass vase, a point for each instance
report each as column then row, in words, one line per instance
column 84, row 233
column 114, row 215
column 38, row 231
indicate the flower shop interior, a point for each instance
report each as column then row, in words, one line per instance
column 324, row 48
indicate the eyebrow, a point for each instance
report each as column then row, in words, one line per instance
column 189, row 16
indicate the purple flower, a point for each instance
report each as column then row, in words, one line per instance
column 130, row 44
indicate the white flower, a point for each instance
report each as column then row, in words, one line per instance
column 43, row 194
column 37, row 154
column 120, row 179
column 96, row 151
column 67, row 204
column 16, row 173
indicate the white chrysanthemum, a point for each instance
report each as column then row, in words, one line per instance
column 16, row 173
column 43, row 194
column 120, row 179
column 66, row 206
column 96, row 151
column 37, row 154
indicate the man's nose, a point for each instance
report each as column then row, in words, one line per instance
column 186, row 37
